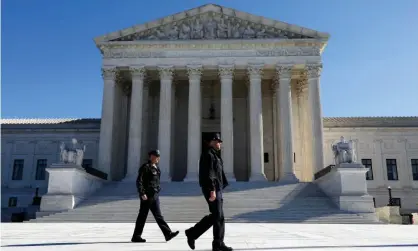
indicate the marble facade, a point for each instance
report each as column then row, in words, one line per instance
column 213, row 69
column 236, row 60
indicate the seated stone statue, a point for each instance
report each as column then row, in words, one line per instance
column 73, row 154
column 343, row 151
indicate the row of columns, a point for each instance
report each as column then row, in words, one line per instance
column 226, row 74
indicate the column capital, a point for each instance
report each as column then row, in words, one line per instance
column 284, row 71
column 166, row 72
column 226, row 71
column 138, row 71
column 110, row 73
column 255, row 70
column 194, row 71
column 313, row 70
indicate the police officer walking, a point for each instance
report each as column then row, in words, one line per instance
column 213, row 181
column 148, row 185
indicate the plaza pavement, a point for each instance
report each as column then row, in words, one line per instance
column 241, row 236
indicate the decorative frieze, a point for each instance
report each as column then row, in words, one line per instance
column 208, row 51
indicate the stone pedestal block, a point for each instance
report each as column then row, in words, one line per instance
column 68, row 185
column 346, row 185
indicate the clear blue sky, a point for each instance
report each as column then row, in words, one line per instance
column 51, row 67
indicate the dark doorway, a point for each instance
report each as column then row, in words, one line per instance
column 205, row 135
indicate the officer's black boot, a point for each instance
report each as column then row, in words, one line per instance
column 171, row 235
column 190, row 240
column 138, row 239
column 225, row 248
column 220, row 247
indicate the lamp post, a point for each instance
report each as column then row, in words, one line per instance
column 390, row 196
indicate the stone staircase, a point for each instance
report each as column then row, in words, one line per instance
column 243, row 202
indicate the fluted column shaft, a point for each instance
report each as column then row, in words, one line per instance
column 107, row 121
column 314, row 96
column 194, row 122
column 164, row 124
column 226, row 73
column 304, row 131
column 286, row 144
column 256, row 123
column 135, row 122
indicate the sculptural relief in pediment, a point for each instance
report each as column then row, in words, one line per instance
column 211, row 25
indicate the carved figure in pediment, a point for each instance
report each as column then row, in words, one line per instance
column 197, row 29
column 236, row 30
column 224, row 29
column 185, row 31
column 210, row 28
column 173, row 31
column 157, row 35
column 249, row 32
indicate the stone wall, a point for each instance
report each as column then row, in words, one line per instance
column 379, row 144
column 41, row 141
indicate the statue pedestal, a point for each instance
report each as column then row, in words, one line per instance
column 346, row 185
column 68, row 185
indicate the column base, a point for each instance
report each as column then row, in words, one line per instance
column 191, row 177
column 289, row 178
column 258, row 177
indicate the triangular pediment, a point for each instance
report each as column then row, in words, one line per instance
column 212, row 22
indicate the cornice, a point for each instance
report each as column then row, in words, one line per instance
column 329, row 122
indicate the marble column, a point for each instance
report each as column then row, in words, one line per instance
column 145, row 121
column 301, row 92
column 107, row 121
column 284, row 73
column 255, row 72
column 226, row 73
column 135, row 122
column 194, row 122
column 164, row 123
column 315, row 110
column 278, row 130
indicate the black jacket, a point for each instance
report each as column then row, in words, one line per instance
column 211, row 173
column 148, row 180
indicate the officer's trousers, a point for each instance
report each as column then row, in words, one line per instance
column 153, row 204
column 215, row 218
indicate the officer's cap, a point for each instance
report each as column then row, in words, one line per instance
column 155, row 152
column 215, row 137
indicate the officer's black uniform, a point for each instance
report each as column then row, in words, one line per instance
column 148, row 183
column 211, row 178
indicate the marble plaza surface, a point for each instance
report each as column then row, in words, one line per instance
column 242, row 236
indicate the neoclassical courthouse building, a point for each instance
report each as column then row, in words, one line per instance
column 254, row 80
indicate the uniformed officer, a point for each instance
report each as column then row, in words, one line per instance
column 213, row 181
column 148, row 185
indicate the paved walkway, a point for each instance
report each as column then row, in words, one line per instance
column 116, row 237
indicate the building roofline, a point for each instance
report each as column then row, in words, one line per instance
column 329, row 122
